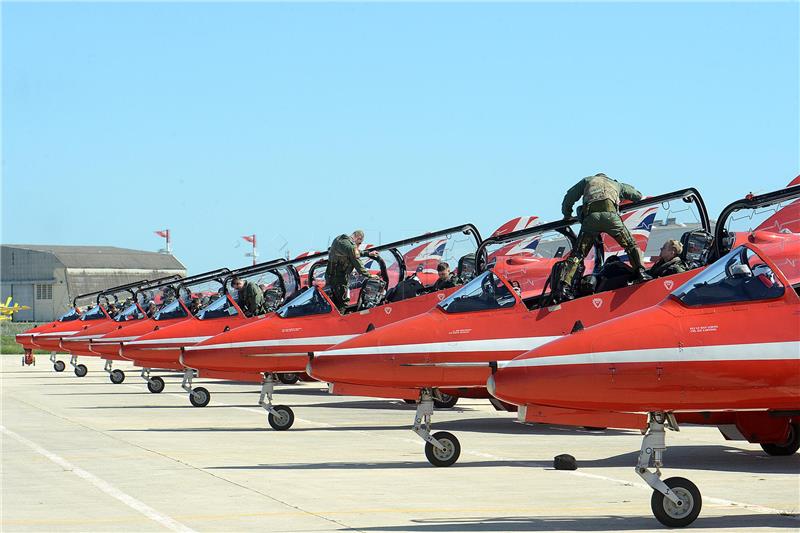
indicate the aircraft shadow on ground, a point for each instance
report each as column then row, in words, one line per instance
column 584, row 523
column 700, row 457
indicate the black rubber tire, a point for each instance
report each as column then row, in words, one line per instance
column 789, row 448
column 665, row 511
column 411, row 402
column 594, row 428
column 439, row 458
column 199, row 397
column 155, row 385
column 288, row 379
column 116, row 376
column 81, row 370
column 285, row 421
column 59, row 366
column 447, row 401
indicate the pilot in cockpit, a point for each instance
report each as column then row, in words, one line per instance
column 669, row 261
column 446, row 279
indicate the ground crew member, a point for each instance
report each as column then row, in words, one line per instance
column 342, row 260
column 600, row 214
column 446, row 279
column 669, row 261
column 250, row 299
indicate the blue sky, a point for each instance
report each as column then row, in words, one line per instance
column 298, row 122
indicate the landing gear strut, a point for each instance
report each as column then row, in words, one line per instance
column 80, row 370
column 676, row 502
column 198, row 396
column 116, row 376
column 154, row 384
column 58, row 366
column 281, row 417
column 441, row 448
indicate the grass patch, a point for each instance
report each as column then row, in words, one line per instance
column 8, row 329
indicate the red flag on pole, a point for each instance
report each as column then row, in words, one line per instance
column 162, row 233
column 249, row 238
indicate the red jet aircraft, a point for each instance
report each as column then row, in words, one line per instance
column 195, row 306
column 49, row 336
column 135, row 317
column 722, row 349
column 449, row 346
column 282, row 341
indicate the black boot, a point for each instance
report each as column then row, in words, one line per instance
column 642, row 275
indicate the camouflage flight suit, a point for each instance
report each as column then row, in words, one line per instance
column 342, row 260
column 600, row 214
column 251, row 299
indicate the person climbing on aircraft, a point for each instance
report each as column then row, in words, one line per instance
column 446, row 279
column 599, row 214
column 250, row 298
column 669, row 261
column 343, row 257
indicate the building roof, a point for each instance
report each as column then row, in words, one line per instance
column 105, row 257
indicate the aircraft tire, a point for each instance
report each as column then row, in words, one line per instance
column 671, row 515
column 81, row 370
column 791, row 446
column 411, row 402
column 155, row 385
column 447, row 402
column 284, row 420
column 59, row 366
column 445, row 457
column 117, row 376
column 288, row 379
column 199, row 397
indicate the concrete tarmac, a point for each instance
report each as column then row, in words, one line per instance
column 83, row 454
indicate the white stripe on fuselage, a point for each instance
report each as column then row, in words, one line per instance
column 111, row 340
column 176, row 340
column 56, row 333
column 519, row 344
column 733, row 352
column 300, row 341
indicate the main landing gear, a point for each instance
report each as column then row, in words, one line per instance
column 58, row 366
column 80, row 370
column 790, row 447
column 154, row 384
column 676, row 502
column 198, row 396
column 280, row 417
column 441, row 448
column 116, row 376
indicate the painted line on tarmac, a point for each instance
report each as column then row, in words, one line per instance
column 102, row 485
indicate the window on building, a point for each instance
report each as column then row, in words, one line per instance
column 44, row 292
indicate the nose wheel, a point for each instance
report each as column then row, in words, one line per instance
column 677, row 515
column 116, row 376
column 280, row 417
column 198, row 396
column 59, row 366
column 441, row 448
column 676, row 502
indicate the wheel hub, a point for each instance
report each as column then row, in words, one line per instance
column 682, row 509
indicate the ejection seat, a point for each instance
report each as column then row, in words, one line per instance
column 371, row 294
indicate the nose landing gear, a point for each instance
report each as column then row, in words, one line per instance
column 676, row 502
column 280, row 417
column 441, row 448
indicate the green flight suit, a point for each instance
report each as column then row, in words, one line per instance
column 251, row 299
column 342, row 260
column 600, row 214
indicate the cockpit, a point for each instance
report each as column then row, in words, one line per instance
column 95, row 313
column 486, row 291
column 309, row 302
column 131, row 312
column 173, row 309
column 219, row 308
column 70, row 315
column 739, row 276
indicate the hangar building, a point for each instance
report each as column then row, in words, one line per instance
column 47, row 278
